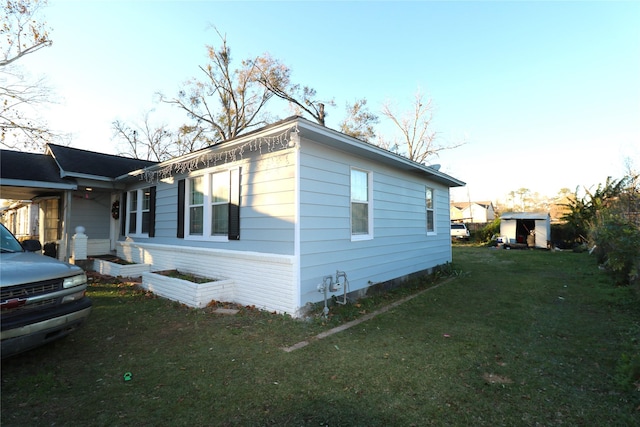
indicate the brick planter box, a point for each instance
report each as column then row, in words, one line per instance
column 118, row 270
column 196, row 295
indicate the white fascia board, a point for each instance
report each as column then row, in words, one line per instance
column 36, row 184
column 86, row 176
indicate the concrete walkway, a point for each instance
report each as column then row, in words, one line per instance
column 362, row 319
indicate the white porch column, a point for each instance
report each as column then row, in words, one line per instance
column 79, row 250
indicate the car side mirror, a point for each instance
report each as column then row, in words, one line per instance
column 32, row 245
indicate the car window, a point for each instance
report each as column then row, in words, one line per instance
column 8, row 242
column 457, row 226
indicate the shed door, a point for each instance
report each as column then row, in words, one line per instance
column 508, row 229
column 542, row 233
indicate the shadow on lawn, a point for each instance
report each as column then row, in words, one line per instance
column 320, row 412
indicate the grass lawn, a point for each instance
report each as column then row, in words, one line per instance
column 514, row 338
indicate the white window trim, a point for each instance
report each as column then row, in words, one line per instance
column 139, row 196
column 206, row 213
column 369, row 234
column 433, row 200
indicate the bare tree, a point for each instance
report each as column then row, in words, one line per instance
column 21, row 34
column 359, row 122
column 155, row 142
column 226, row 102
column 302, row 98
column 418, row 142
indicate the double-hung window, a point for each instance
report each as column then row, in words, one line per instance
column 361, row 207
column 139, row 211
column 220, row 203
column 208, row 206
column 430, row 210
column 196, row 206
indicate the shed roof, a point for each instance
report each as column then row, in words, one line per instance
column 525, row 215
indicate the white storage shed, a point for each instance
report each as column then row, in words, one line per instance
column 530, row 228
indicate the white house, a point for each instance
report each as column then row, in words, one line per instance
column 473, row 212
column 281, row 210
column 274, row 214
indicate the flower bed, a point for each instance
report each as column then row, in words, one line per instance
column 186, row 291
column 117, row 267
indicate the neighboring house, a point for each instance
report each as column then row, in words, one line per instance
column 67, row 187
column 531, row 228
column 278, row 211
column 472, row 212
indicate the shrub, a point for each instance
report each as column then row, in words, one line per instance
column 617, row 248
column 564, row 236
column 486, row 233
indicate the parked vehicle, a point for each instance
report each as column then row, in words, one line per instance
column 459, row 231
column 42, row 299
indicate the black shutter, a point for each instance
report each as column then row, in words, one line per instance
column 123, row 214
column 181, row 195
column 152, row 211
column 234, row 205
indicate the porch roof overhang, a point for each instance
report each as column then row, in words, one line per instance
column 17, row 189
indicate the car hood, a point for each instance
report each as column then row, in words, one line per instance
column 27, row 267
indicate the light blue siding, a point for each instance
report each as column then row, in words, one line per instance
column 295, row 207
column 88, row 210
column 400, row 244
column 267, row 209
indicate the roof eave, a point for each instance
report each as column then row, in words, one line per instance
column 348, row 143
column 38, row 184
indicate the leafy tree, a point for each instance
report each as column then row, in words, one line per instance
column 524, row 197
column 604, row 219
column 582, row 211
column 21, row 34
column 418, row 142
column 226, row 101
column 359, row 121
column 617, row 246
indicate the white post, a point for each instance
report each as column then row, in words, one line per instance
column 79, row 251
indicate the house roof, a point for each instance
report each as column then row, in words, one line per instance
column 464, row 205
column 25, row 175
column 340, row 141
column 79, row 163
column 319, row 134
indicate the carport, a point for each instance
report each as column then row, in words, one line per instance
column 69, row 187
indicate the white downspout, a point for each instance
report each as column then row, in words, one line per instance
column 295, row 141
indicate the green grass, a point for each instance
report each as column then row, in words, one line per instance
column 514, row 338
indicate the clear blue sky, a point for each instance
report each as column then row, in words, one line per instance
column 547, row 94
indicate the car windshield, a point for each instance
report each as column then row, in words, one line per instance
column 9, row 243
